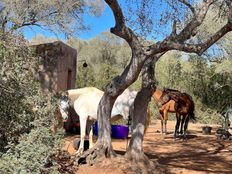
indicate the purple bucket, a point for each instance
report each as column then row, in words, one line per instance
column 119, row 131
column 95, row 129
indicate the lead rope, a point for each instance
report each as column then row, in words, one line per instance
column 128, row 124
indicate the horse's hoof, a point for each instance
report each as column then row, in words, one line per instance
column 91, row 146
column 184, row 139
column 79, row 152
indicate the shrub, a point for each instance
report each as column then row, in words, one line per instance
column 26, row 113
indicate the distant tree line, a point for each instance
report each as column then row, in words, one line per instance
column 206, row 78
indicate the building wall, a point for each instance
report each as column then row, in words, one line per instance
column 57, row 71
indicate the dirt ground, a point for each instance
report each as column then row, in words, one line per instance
column 200, row 154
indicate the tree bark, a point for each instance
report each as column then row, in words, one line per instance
column 139, row 111
column 113, row 90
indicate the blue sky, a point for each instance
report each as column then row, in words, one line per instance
column 104, row 23
column 97, row 25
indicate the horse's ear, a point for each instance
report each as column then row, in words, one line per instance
column 64, row 96
column 64, row 93
column 61, row 94
column 57, row 94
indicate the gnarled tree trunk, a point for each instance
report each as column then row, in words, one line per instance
column 113, row 90
column 103, row 146
column 139, row 112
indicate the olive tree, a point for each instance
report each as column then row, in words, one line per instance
column 26, row 113
column 143, row 58
column 55, row 15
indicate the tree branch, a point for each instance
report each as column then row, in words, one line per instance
column 190, row 28
column 174, row 29
column 176, row 41
column 32, row 21
column 188, row 5
column 120, row 28
column 17, row 26
column 229, row 4
column 200, row 48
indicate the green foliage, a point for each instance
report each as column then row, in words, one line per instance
column 26, row 113
column 57, row 16
column 209, row 84
column 169, row 71
column 16, row 88
column 32, row 153
column 105, row 48
column 105, row 74
column 85, row 76
column 106, row 56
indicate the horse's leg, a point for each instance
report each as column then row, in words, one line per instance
column 162, row 122
column 91, row 138
column 182, row 123
column 165, row 114
column 178, row 118
column 83, row 121
column 90, row 132
column 165, row 126
column 186, row 126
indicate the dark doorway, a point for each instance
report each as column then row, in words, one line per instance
column 69, row 81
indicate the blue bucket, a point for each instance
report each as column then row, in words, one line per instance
column 95, row 128
column 119, row 131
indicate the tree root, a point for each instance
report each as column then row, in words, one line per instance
column 140, row 163
column 131, row 165
column 134, row 163
column 91, row 156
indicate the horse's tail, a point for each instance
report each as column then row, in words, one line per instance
column 192, row 110
column 192, row 116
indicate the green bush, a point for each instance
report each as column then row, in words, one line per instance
column 26, row 113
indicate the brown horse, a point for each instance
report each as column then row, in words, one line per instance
column 174, row 101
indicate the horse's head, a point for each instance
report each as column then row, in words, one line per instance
column 157, row 94
column 64, row 106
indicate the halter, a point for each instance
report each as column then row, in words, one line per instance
column 164, row 98
column 64, row 105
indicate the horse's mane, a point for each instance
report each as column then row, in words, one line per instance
column 172, row 93
column 168, row 90
column 178, row 96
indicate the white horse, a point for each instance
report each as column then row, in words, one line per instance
column 86, row 101
column 227, row 120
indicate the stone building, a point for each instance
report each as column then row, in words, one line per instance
column 57, row 71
